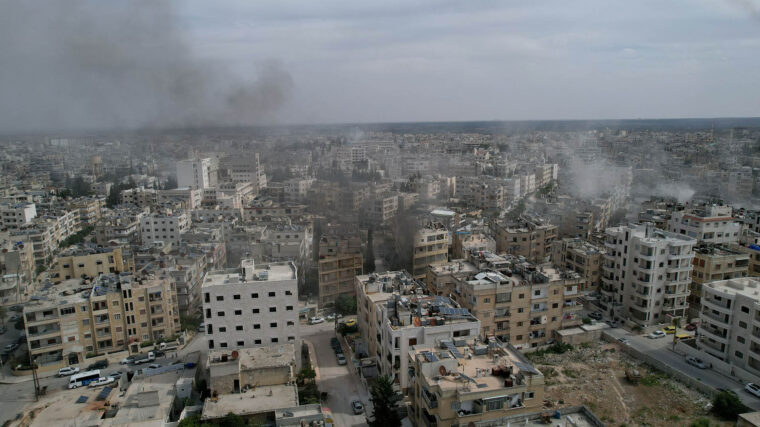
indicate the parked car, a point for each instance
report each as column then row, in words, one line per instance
column 69, row 370
column 357, row 406
column 695, row 361
column 15, row 317
column 691, row 326
column 753, row 389
column 612, row 323
column 159, row 353
column 127, row 360
column 330, row 317
column 683, row 336
column 350, row 322
column 315, row 320
column 341, row 359
column 669, row 330
column 10, row 348
column 116, row 375
column 595, row 315
column 656, row 334
column 154, row 365
column 100, row 364
column 101, row 382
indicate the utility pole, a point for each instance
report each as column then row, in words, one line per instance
column 35, row 378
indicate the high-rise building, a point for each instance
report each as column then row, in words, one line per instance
column 646, row 274
column 340, row 260
column 713, row 263
column 196, row 173
column 708, row 224
column 579, row 256
column 528, row 237
column 430, row 247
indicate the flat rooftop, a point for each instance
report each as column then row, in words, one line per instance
column 274, row 272
column 749, row 287
column 256, row 357
column 261, row 399
column 464, row 365
column 456, row 266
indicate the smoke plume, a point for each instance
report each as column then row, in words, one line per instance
column 85, row 64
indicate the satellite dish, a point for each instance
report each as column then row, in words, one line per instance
column 442, row 370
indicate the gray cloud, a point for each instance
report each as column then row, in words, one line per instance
column 85, row 64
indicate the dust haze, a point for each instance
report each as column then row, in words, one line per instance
column 79, row 65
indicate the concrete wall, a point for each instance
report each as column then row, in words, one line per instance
column 718, row 365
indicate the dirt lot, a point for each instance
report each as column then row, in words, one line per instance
column 594, row 375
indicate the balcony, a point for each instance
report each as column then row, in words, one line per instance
column 39, row 332
column 716, row 305
column 431, row 402
column 715, row 318
column 715, row 334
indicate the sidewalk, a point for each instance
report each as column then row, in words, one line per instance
column 11, row 379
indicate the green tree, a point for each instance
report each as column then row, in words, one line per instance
column 727, row 404
column 369, row 254
column 345, row 304
column 384, row 401
column 307, row 373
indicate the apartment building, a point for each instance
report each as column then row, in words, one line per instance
column 185, row 196
column 165, row 227
column 729, row 318
column 196, row 173
column 523, row 306
column 394, row 314
column 441, row 279
column 16, row 268
column 340, row 261
column 90, row 209
column 121, row 225
column 580, row 256
column 529, row 237
column 465, row 382
column 708, row 224
column 252, row 306
column 713, row 263
column 754, row 257
column 139, row 196
column 81, row 262
column 14, row 215
column 646, row 273
column 430, row 247
column 115, row 313
column 382, row 208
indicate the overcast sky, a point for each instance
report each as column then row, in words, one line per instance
column 357, row 61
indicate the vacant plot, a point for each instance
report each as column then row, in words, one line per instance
column 594, row 375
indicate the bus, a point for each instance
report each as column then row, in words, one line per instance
column 81, row 380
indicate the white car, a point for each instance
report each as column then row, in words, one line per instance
column 101, row 382
column 67, row 371
column 656, row 334
column 753, row 388
column 315, row 320
column 154, row 366
column 695, row 361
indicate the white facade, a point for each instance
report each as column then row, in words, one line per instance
column 196, row 173
column 167, row 228
column 729, row 319
column 255, row 307
column 12, row 216
column 646, row 273
column 708, row 224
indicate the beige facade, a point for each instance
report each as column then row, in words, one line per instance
column 231, row 371
column 117, row 313
column 340, row 261
column 712, row 263
column 528, row 237
column 523, row 308
column 754, row 258
column 78, row 262
column 442, row 279
column 431, row 247
column 579, row 256
column 469, row 384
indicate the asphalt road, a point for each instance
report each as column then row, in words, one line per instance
column 661, row 349
column 341, row 386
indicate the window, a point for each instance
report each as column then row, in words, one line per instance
column 288, row 293
column 256, row 326
column 85, row 322
column 239, row 327
column 273, row 325
column 528, row 395
column 289, row 308
column 223, row 344
column 236, row 297
column 274, row 340
column 254, row 295
column 291, row 339
column 238, row 312
column 745, row 309
column 291, row 323
column 272, row 309
column 241, row 343
column 742, row 324
column 739, row 354
column 257, row 341
column 220, row 313
column 222, row 329
column 555, row 305
column 537, row 292
column 271, row 294
column 521, row 296
column 740, row 340
column 255, row 311
column 220, row 298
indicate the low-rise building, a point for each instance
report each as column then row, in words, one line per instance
column 163, row 227
column 465, row 382
column 80, row 262
column 233, row 371
column 394, row 314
